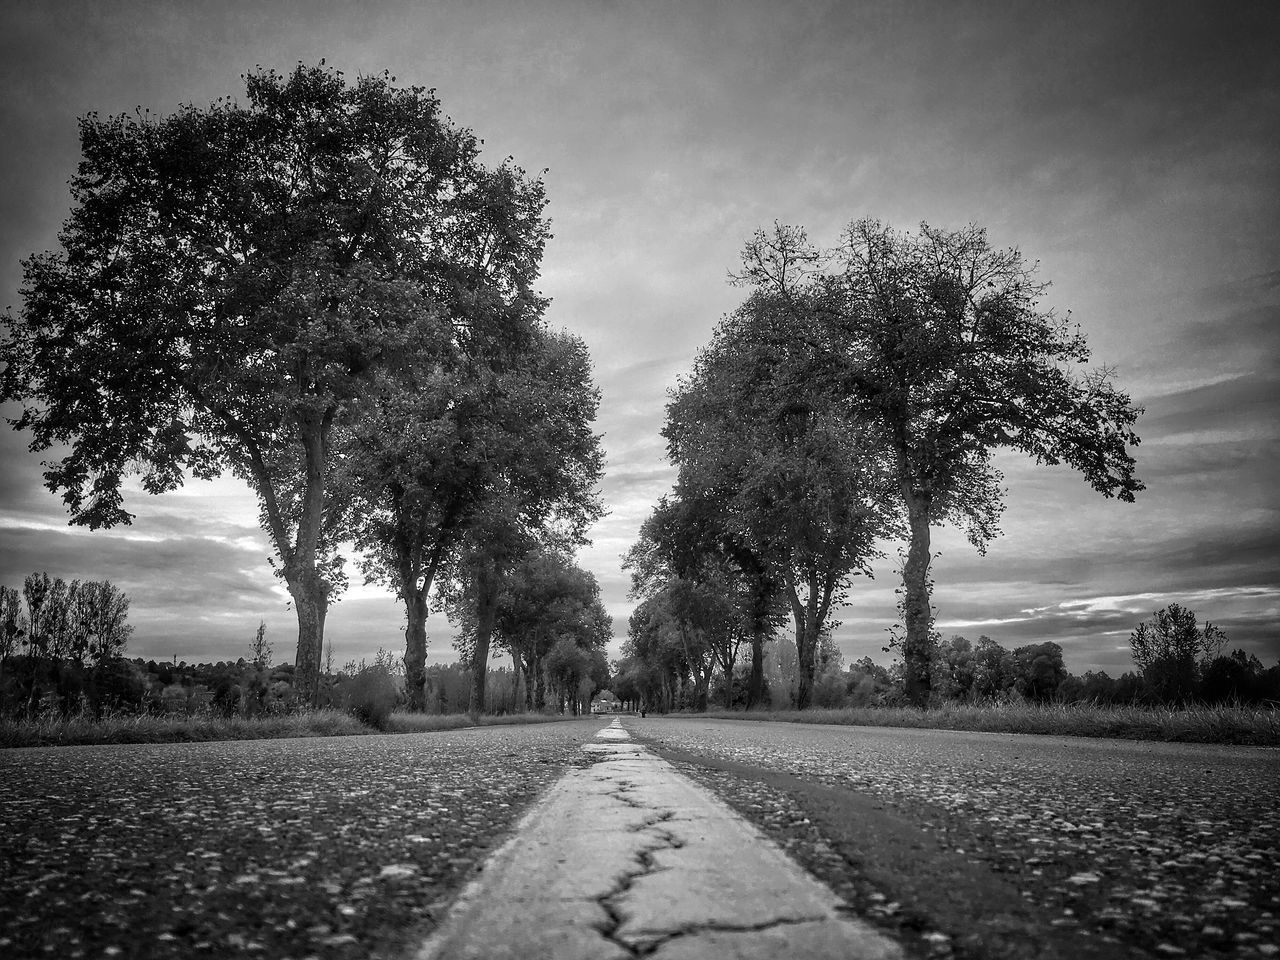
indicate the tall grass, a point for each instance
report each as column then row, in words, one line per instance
column 1259, row 726
column 55, row 730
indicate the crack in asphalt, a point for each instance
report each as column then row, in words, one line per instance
column 696, row 929
column 665, row 840
column 653, row 821
column 644, row 858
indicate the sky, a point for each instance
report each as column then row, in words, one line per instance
column 1130, row 149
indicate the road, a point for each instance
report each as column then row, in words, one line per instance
column 996, row 845
column 957, row 844
column 331, row 848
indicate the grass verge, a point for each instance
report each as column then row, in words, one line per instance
column 425, row 722
column 1257, row 726
column 78, row 730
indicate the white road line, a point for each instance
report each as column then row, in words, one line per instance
column 629, row 857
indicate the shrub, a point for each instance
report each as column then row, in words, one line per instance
column 370, row 696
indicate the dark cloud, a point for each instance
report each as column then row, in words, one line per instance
column 1250, row 400
column 181, row 572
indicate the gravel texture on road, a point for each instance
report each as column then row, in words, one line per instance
column 326, row 848
column 1114, row 848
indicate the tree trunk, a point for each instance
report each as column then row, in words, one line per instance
column 415, row 650
column 516, row 676
column 486, row 614
column 755, row 682
column 306, row 586
column 540, row 684
column 806, row 647
column 309, row 602
column 527, row 669
column 917, row 616
column 480, row 667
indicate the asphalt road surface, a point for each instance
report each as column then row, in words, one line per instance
column 990, row 845
column 964, row 845
column 327, row 848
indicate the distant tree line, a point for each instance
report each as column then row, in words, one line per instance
column 325, row 292
column 61, row 644
column 1177, row 662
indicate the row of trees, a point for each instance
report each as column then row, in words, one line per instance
column 960, row 671
column 325, row 292
column 855, row 398
column 546, row 614
column 59, row 638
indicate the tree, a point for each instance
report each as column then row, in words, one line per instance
column 994, row 671
column 1235, row 678
column 685, row 559
column 260, row 648
column 1171, row 650
column 567, row 666
column 669, row 646
column 439, row 431
column 11, row 624
column 953, row 670
column 938, row 342
column 544, row 494
column 544, row 597
column 229, row 280
column 1039, row 669
column 104, row 609
column 694, row 531
column 465, row 472
column 804, row 486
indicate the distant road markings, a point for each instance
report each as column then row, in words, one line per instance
column 630, row 858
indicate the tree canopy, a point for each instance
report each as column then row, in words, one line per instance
column 937, row 342
column 795, row 491
column 232, row 277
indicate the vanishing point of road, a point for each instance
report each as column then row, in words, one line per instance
column 950, row 844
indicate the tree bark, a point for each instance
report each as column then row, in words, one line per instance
column 480, row 657
column 917, row 614
column 486, row 616
column 806, row 646
column 755, row 682
column 309, row 602
column 516, row 676
column 540, row 684
column 526, row 667
column 415, row 650
column 306, row 586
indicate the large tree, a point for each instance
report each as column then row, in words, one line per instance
column 228, row 280
column 440, row 433
column 938, row 342
column 543, row 492
column 803, row 489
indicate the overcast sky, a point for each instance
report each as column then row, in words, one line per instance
column 1130, row 148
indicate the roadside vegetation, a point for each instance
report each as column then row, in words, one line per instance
column 1218, row 723
column 47, row 700
column 1184, row 687
column 79, row 729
